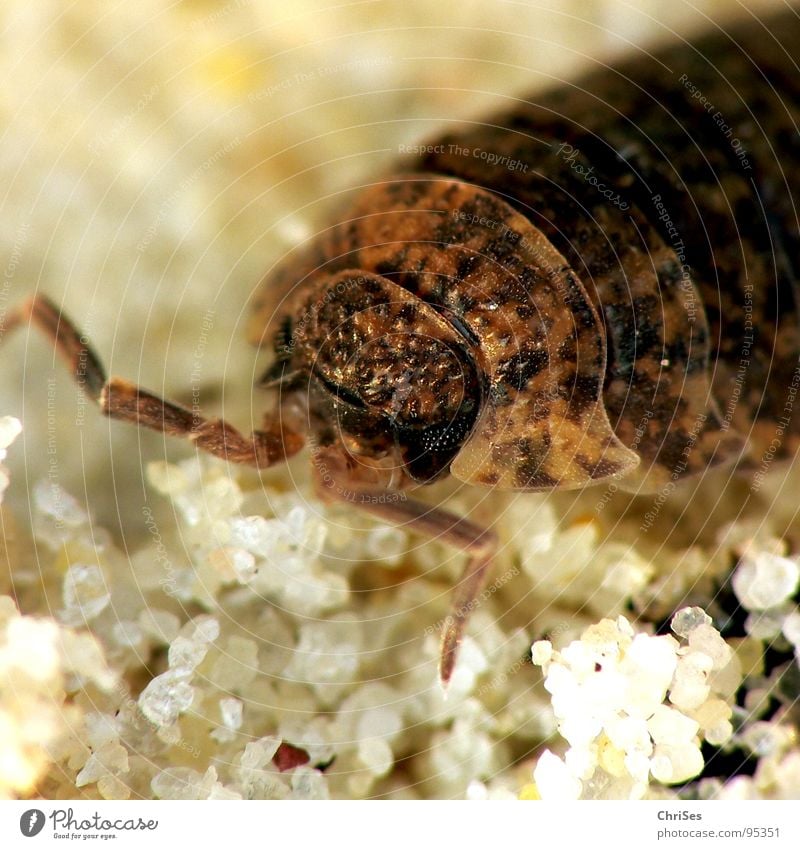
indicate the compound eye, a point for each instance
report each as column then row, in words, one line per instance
column 428, row 451
column 429, row 390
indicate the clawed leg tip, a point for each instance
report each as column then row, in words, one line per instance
column 446, row 667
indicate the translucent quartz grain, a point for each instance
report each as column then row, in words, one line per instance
column 176, row 783
column 55, row 502
column 166, row 697
column 674, row 764
column 186, row 654
column 706, row 639
column 690, row 688
column 231, row 712
column 84, row 592
column 308, row 783
column 202, row 628
column 671, row 727
column 763, row 580
column 112, row 758
column 100, row 729
column 685, row 621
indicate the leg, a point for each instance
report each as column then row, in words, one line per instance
column 122, row 400
column 477, row 542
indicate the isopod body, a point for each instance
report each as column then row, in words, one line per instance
column 598, row 284
column 616, row 255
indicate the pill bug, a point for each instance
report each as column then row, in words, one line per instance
column 596, row 285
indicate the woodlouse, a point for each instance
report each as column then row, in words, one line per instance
column 599, row 284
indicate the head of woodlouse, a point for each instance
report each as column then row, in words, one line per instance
column 389, row 388
column 435, row 330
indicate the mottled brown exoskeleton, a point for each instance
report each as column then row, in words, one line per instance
column 601, row 283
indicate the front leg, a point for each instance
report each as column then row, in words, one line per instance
column 123, row 400
column 479, row 543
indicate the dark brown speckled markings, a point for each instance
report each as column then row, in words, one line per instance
column 601, row 283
